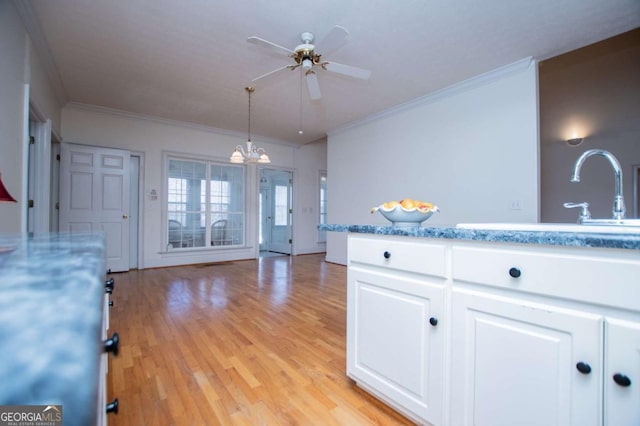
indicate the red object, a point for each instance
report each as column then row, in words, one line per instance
column 4, row 194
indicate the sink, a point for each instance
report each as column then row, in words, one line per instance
column 598, row 225
column 612, row 222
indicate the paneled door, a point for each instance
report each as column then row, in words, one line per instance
column 94, row 197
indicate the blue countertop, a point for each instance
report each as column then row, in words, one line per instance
column 51, row 313
column 576, row 239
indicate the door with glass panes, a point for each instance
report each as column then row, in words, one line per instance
column 275, row 210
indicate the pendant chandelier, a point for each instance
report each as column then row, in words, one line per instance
column 252, row 154
column 4, row 194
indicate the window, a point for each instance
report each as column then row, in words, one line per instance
column 281, row 205
column 322, row 235
column 205, row 204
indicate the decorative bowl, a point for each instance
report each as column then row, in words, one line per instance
column 402, row 217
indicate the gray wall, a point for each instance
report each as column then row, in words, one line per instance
column 593, row 92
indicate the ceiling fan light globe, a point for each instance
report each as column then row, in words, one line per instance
column 307, row 63
column 307, row 37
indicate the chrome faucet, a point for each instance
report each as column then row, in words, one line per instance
column 618, row 201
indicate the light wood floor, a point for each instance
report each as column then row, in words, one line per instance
column 256, row 342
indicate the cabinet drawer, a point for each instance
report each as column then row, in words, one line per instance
column 406, row 255
column 580, row 274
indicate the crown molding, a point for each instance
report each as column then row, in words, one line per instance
column 31, row 23
column 175, row 123
column 454, row 89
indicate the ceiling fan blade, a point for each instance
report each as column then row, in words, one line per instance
column 272, row 46
column 270, row 73
column 313, row 85
column 347, row 70
column 336, row 38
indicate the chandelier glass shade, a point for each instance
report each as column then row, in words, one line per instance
column 250, row 153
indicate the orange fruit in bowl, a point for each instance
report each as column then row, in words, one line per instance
column 425, row 207
column 408, row 203
column 390, row 205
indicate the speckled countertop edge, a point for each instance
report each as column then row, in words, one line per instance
column 51, row 310
column 574, row 239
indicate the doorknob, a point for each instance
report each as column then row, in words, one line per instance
column 124, row 216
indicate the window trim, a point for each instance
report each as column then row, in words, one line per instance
column 208, row 160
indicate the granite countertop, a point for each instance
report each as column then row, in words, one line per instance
column 618, row 240
column 51, row 313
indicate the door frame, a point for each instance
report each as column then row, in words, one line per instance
column 137, row 231
column 291, row 205
column 264, row 245
column 39, row 170
column 636, row 190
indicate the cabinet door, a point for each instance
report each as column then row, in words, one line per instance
column 622, row 373
column 395, row 341
column 516, row 363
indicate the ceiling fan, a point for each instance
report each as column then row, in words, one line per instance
column 308, row 57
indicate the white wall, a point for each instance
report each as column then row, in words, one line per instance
column 307, row 201
column 12, row 79
column 593, row 92
column 471, row 149
column 154, row 137
column 41, row 94
column 21, row 72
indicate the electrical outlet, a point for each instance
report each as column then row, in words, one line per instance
column 516, row 205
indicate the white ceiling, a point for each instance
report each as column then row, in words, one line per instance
column 188, row 60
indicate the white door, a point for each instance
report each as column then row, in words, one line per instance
column 281, row 212
column 94, row 197
column 519, row 363
column 622, row 373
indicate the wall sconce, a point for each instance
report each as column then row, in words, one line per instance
column 574, row 141
column 4, row 194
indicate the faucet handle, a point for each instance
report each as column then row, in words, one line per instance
column 585, row 214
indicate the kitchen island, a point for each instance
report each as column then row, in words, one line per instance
column 561, row 238
column 455, row 326
column 52, row 292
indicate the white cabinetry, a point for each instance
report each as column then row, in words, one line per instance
column 104, row 367
column 516, row 363
column 532, row 341
column 395, row 327
column 622, row 372
column 522, row 334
